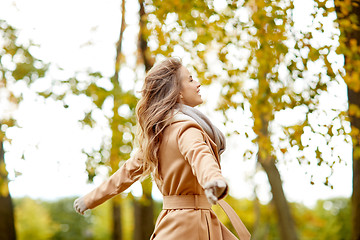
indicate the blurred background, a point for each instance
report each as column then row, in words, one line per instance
column 280, row 78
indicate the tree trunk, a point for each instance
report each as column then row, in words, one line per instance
column 7, row 227
column 354, row 98
column 287, row 227
column 144, row 54
column 351, row 14
column 116, row 214
column 144, row 207
column 256, row 233
column 114, row 157
column 285, row 219
column 144, row 213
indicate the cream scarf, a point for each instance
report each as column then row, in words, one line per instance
column 214, row 133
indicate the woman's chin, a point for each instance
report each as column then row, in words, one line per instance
column 200, row 102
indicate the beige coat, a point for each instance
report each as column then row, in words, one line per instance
column 188, row 159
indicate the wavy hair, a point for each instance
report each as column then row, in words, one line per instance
column 160, row 93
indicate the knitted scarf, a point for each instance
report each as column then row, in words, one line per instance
column 214, row 133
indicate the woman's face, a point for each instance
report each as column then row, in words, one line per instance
column 190, row 89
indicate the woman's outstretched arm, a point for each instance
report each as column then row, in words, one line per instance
column 122, row 179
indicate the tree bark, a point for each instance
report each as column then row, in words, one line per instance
column 114, row 158
column 256, row 233
column 286, row 223
column 144, row 213
column 144, row 53
column 116, row 213
column 7, row 226
column 144, row 207
column 352, row 14
column 285, row 219
column 354, row 98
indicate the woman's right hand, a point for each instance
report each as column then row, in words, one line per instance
column 215, row 190
column 80, row 206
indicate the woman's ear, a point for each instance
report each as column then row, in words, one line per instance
column 180, row 98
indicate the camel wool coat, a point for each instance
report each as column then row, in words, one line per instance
column 188, row 159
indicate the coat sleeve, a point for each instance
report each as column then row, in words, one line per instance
column 192, row 145
column 122, row 179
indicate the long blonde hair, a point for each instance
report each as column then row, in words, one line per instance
column 160, row 93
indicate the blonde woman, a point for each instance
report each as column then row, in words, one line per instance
column 181, row 148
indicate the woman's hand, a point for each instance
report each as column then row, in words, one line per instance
column 214, row 190
column 79, row 206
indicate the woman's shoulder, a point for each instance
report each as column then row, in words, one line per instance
column 181, row 121
column 183, row 125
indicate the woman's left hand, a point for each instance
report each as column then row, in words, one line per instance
column 80, row 206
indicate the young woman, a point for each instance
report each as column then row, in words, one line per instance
column 180, row 147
